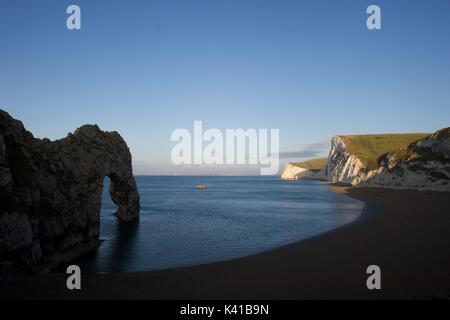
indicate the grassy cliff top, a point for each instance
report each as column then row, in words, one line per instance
column 369, row 147
column 312, row 164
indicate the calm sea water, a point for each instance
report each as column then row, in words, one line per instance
column 235, row 216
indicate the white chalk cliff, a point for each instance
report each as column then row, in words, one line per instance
column 423, row 165
column 294, row 172
column 342, row 166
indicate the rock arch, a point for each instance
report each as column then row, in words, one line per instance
column 50, row 193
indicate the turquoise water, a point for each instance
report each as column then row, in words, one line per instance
column 234, row 217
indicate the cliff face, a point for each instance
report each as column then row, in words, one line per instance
column 423, row 165
column 50, row 193
column 342, row 166
column 293, row 172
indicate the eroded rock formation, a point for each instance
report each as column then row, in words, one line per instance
column 50, row 193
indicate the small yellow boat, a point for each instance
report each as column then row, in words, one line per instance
column 201, row 186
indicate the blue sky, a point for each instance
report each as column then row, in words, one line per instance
column 144, row 68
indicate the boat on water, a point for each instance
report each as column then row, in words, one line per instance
column 201, row 186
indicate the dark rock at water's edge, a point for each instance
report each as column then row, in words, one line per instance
column 50, row 193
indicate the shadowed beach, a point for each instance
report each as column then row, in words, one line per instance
column 406, row 233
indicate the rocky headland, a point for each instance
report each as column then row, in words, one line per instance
column 398, row 161
column 50, row 193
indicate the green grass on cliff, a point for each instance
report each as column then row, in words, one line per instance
column 369, row 147
column 312, row 164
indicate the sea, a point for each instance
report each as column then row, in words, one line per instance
column 235, row 216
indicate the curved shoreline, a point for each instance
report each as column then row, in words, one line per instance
column 407, row 233
column 344, row 204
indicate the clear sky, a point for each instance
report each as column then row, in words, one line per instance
column 144, row 68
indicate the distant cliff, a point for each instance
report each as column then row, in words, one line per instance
column 423, row 163
column 50, row 193
column 310, row 169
